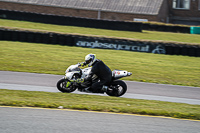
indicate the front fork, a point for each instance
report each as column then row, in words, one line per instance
column 68, row 83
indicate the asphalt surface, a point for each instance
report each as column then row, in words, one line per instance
column 26, row 120
column 23, row 120
column 138, row 90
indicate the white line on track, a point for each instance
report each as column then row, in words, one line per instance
column 127, row 95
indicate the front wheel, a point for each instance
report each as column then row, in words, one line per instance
column 65, row 86
column 118, row 88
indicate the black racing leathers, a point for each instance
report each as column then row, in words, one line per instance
column 104, row 74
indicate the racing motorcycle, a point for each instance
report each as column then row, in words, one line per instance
column 67, row 85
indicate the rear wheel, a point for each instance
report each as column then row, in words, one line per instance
column 118, row 88
column 65, row 86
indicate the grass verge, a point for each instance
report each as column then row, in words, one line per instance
column 54, row 59
column 145, row 35
column 98, row 103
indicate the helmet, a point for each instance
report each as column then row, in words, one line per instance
column 90, row 59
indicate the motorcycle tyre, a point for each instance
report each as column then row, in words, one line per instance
column 120, row 83
column 64, row 90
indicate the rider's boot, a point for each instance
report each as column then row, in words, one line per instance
column 105, row 89
column 88, row 90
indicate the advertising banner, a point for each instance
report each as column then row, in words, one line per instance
column 120, row 45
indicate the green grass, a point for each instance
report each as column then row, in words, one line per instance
column 98, row 103
column 145, row 35
column 146, row 67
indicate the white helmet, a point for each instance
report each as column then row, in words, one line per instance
column 90, row 59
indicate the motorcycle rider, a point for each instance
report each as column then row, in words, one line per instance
column 99, row 69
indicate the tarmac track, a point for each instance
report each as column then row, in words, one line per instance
column 33, row 120
column 137, row 90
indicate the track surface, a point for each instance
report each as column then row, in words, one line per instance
column 138, row 90
column 26, row 120
column 23, row 120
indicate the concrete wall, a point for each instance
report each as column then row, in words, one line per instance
column 163, row 15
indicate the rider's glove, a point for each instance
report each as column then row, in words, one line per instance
column 82, row 64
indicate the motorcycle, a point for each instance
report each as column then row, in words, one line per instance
column 116, row 88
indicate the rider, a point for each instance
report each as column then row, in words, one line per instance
column 99, row 69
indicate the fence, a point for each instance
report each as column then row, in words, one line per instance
column 91, row 23
column 99, row 42
column 166, row 28
column 71, row 21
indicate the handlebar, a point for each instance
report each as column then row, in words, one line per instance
column 82, row 64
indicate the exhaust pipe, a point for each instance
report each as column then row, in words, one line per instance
column 129, row 73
